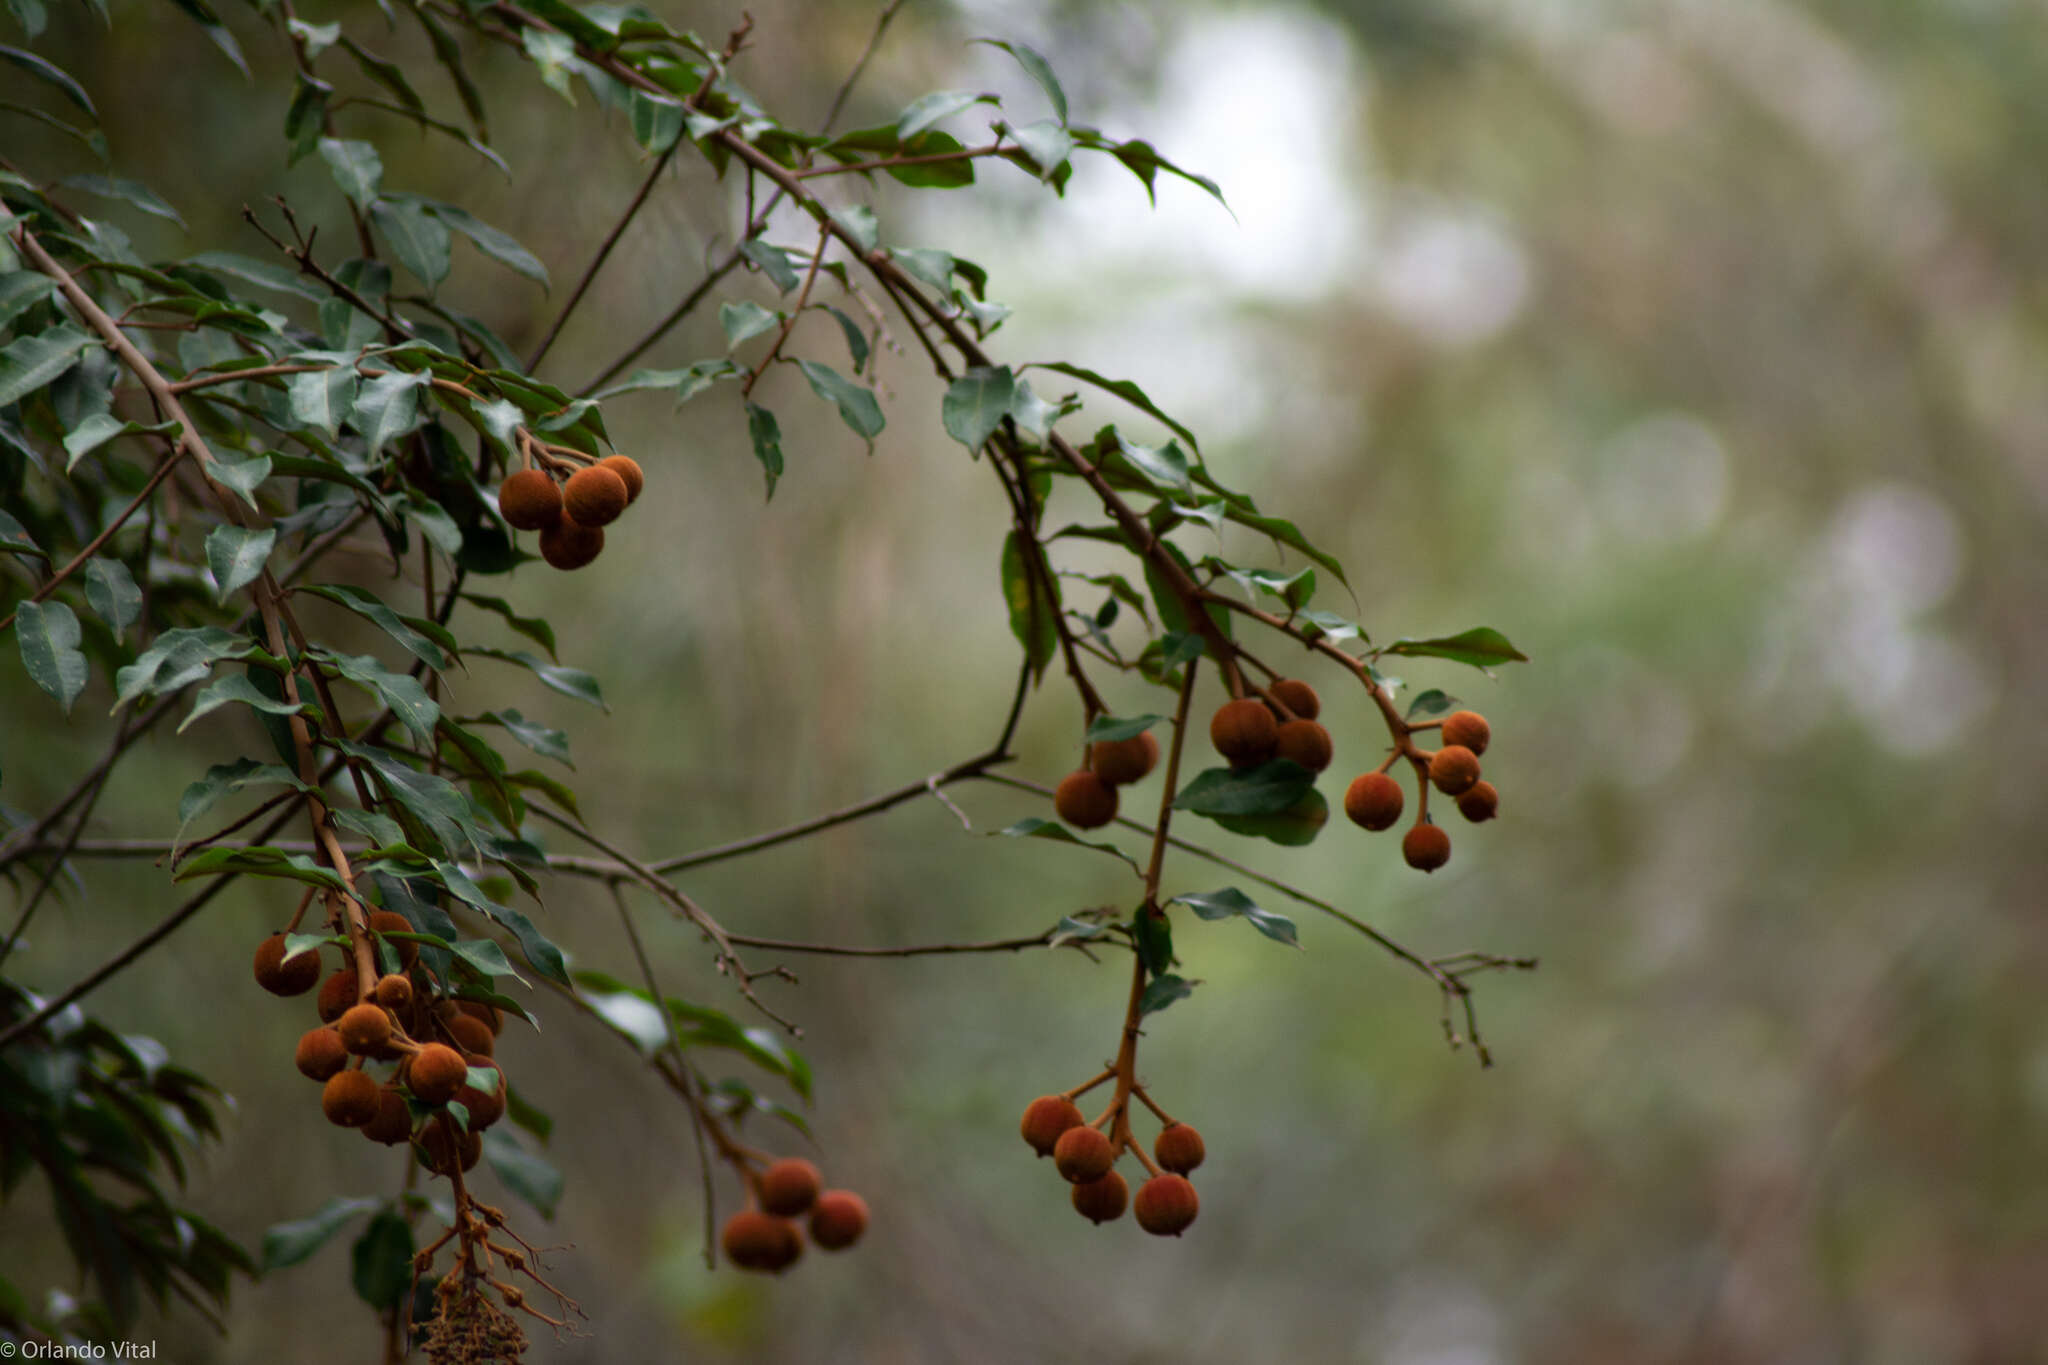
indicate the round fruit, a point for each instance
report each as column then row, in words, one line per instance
column 365, row 1028
column 1306, row 742
column 1121, row 762
column 1480, row 804
column 1084, row 800
column 488, row 1015
column 321, row 1053
column 337, row 993
column 1426, row 847
column 471, row 1034
column 1167, row 1205
column 435, row 1073
column 1046, row 1118
column 595, row 496
column 351, row 1099
column 570, row 544
column 838, row 1219
column 1178, row 1148
column 1373, row 800
column 754, row 1240
column 1102, row 1201
column 1298, row 697
column 485, row 1107
column 529, row 500
column 394, row 992
column 440, row 1138
column 1467, row 729
column 281, row 976
column 1454, row 769
column 393, row 1123
column 1244, row 732
column 391, row 922
column 790, row 1186
column 628, row 470
column 1083, row 1154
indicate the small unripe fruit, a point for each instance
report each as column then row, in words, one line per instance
column 1480, row 804
column 320, row 1054
column 1373, row 800
column 838, row 1219
column 1467, row 729
column 1426, row 847
column 1102, row 1201
column 436, row 1145
column 1453, row 769
column 570, row 544
column 1306, row 742
column 471, row 1034
column 337, row 993
column 628, row 470
column 1083, row 1154
column 393, row 1123
column 394, row 992
column 1166, row 1205
column 529, row 500
column 1084, row 800
column 1178, row 1148
column 365, row 1028
column 489, row 1015
column 1298, row 697
column 594, row 496
column 351, row 1099
column 1121, row 762
column 391, row 922
column 485, row 1107
column 435, row 1073
column 279, row 976
column 790, row 1186
column 1046, row 1118
column 1244, row 732
column 754, row 1240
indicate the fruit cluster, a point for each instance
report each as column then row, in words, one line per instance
column 446, row 1086
column 1086, row 1158
column 1374, row 799
column 1086, row 797
column 764, row 1235
column 570, row 517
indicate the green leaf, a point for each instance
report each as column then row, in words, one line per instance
column 570, row 682
column 856, row 340
column 322, row 399
column 420, row 239
column 225, row 778
column 856, row 404
column 533, row 1178
column 424, row 639
column 883, row 143
column 237, row 688
column 1143, row 160
column 45, row 71
column 1434, row 702
column 1038, row 68
column 1033, row 617
column 32, row 362
column 742, row 321
column 1152, row 935
column 1287, row 533
column 177, row 657
column 258, row 273
column 657, row 120
column 387, row 407
column 1124, row 389
column 928, row 265
column 356, row 167
column 258, row 860
column 241, row 477
column 1166, row 467
column 22, row 290
column 486, row 956
column 1035, row 828
column 236, row 555
column 111, row 591
column 1295, row 827
column 129, row 191
column 1108, row 729
column 1046, row 143
column 496, row 243
column 1231, row 903
column 858, row 221
column 401, row 692
column 976, row 404
column 47, row 634
column 1480, row 647
column 687, row 382
column 922, row 113
column 773, row 261
column 766, row 434
column 381, row 1261
column 532, row 627
column 1265, row 790
column 1162, row 991
column 287, row 1244
column 15, row 539
column 546, row 742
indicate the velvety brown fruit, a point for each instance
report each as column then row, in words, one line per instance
column 364, row 1028
column 1046, row 1118
column 351, row 1099
column 570, row 544
column 1084, row 800
column 1166, row 1205
column 628, row 470
column 1102, row 1201
column 1178, row 1148
column 489, row 1015
column 1453, row 769
column 790, row 1186
column 337, row 994
column 1306, row 742
column 1480, row 804
column 594, row 496
column 1121, row 762
column 838, row 1219
column 1468, row 729
column 435, row 1073
column 1373, row 800
column 391, row 922
column 471, row 1034
column 1298, row 697
column 279, row 976
column 1244, row 732
column 1426, row 847
column 393, row 1123
column 436, row 1145
column 394, row 992
column 320, row 1054
column 529, row 500
column 754, row 1240
column 485, row 1107
column 1083, row 1154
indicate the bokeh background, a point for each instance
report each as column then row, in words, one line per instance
column 1696, row 344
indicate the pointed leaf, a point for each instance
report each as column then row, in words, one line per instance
column 111, row 591
column 236, row 555
column 1231, row 903
column 976, row 404
column 47, row 634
